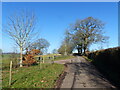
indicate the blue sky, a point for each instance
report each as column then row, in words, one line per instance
column 54, row 18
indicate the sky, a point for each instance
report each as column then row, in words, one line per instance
column 55, row 17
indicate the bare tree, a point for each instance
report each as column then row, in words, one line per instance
column 21, row 27
column 86, row 32
column 90, row 30
column 40, row 44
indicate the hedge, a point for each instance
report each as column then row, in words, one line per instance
column 108, row 62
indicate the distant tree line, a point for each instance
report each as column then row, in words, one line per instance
column 81, row 35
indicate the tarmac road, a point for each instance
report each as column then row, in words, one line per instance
column 82, row 74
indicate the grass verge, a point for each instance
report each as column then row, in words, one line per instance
column 63, row 57
column 87, row 58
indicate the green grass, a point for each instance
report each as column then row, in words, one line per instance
column 87, row 58
column 63, row 57
column 6, row 58
column 33, row 77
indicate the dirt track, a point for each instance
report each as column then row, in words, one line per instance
column 82, row 74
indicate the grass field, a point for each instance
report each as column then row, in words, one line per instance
column 63, row 57
column 6, row 58
column 43, row 75
column 33, row 77
column 56, row 57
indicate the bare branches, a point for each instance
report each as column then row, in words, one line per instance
column 86, row 32
column 21, row 27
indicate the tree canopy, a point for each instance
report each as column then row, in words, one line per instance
column 84, row 33
column 21, row 28
column 40, row 44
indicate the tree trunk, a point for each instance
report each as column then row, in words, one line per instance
column 78, row 50
column 85, row 45
column 21, row 56
column 84, row 50
column 65, row 50
column 81, row 51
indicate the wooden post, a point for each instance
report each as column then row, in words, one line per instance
column 10, row 78
column 40, row 65
column 53, row 59
column 40, row 62
column 43, row 59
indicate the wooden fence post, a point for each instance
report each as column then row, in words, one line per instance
column 53, row 59
column 10, row 78
column 40, row 62
column 43, row 59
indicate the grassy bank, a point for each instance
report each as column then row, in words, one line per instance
column 87, row 58
column 33, row 77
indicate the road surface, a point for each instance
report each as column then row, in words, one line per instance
column 82, row 74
